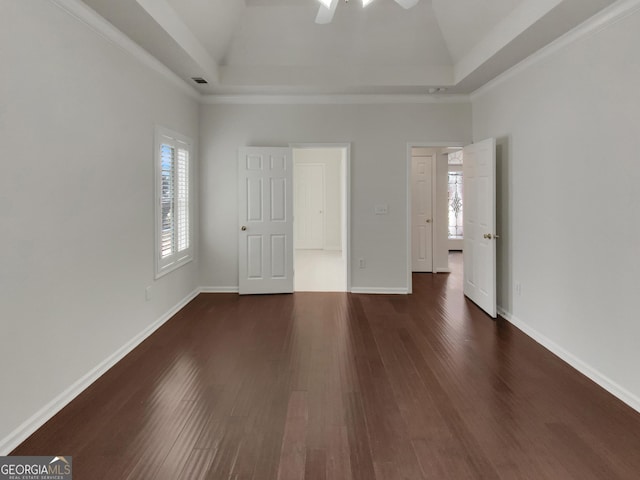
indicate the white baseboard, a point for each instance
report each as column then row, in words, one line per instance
column 598, row 377
column 379, row 291
column 43, row 415
column 219, row 289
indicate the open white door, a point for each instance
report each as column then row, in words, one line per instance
column 480, row 224
column 265, row 206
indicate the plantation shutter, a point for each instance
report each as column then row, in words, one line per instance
column 173, row 223
column 182, row 199
column 167, row 233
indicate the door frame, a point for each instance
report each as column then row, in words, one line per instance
column 346, row 191
column 434, row 205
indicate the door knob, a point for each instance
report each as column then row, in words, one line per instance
column 488, row 236
column 243, row 228
column 428, row 220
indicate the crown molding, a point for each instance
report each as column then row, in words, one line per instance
column 85, row 14
column 601, row 20
column 165, row 16
column 383, row 99
column 509, row 28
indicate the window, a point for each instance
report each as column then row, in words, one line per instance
column 173, row 226
column 455, row 160
column 455, row 205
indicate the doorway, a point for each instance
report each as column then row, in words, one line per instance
column 320, row 217
column 427, row 208
column 479, row 220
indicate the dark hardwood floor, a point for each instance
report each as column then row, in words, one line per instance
column 340, row 386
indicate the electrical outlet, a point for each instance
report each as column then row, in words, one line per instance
column 518, row 288
column 362, row 263
column 147, row 293
column 381, row 209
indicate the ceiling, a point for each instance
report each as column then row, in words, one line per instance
column 275, row 46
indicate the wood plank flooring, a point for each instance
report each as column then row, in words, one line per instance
column 338, row 386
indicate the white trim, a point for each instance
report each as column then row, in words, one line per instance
column 379, row 291
column 381, row 99
column 219, row 289
column 587, row 370
column 609, row 15
column 43, row 415
column 85, row 14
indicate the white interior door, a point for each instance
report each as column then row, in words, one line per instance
column 479, row 223
column 309, row 205
column 265, row 206
column 422, row 214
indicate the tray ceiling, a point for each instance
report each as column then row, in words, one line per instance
column 274, row 46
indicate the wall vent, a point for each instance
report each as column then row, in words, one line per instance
column 199, row 80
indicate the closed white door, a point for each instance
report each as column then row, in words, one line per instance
column 309, row 205
column 422, row 214
column 265, row 226
column 480, row 224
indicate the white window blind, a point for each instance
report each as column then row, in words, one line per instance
column 173, row 182
column 182, row 199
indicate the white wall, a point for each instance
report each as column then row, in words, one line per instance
column 379, row 136
column 568, row 168
column 331, row 158
column 77, row 118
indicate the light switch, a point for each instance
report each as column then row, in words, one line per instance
column 381, row 209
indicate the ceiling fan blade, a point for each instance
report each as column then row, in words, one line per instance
column 407, row 3
column 325, row 15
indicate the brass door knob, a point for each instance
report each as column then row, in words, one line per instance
column 488, row 236
column 428, row 220
column 243, row 228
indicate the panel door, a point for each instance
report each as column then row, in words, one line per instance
column 309, row 205
column 422, row 214
column 480, row 224
column 265, row 220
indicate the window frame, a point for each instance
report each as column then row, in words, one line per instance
column 165, row 136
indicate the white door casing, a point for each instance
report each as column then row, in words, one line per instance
column 309, row 205
column 265, row 220
column 479, row 177
column 422, row 214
